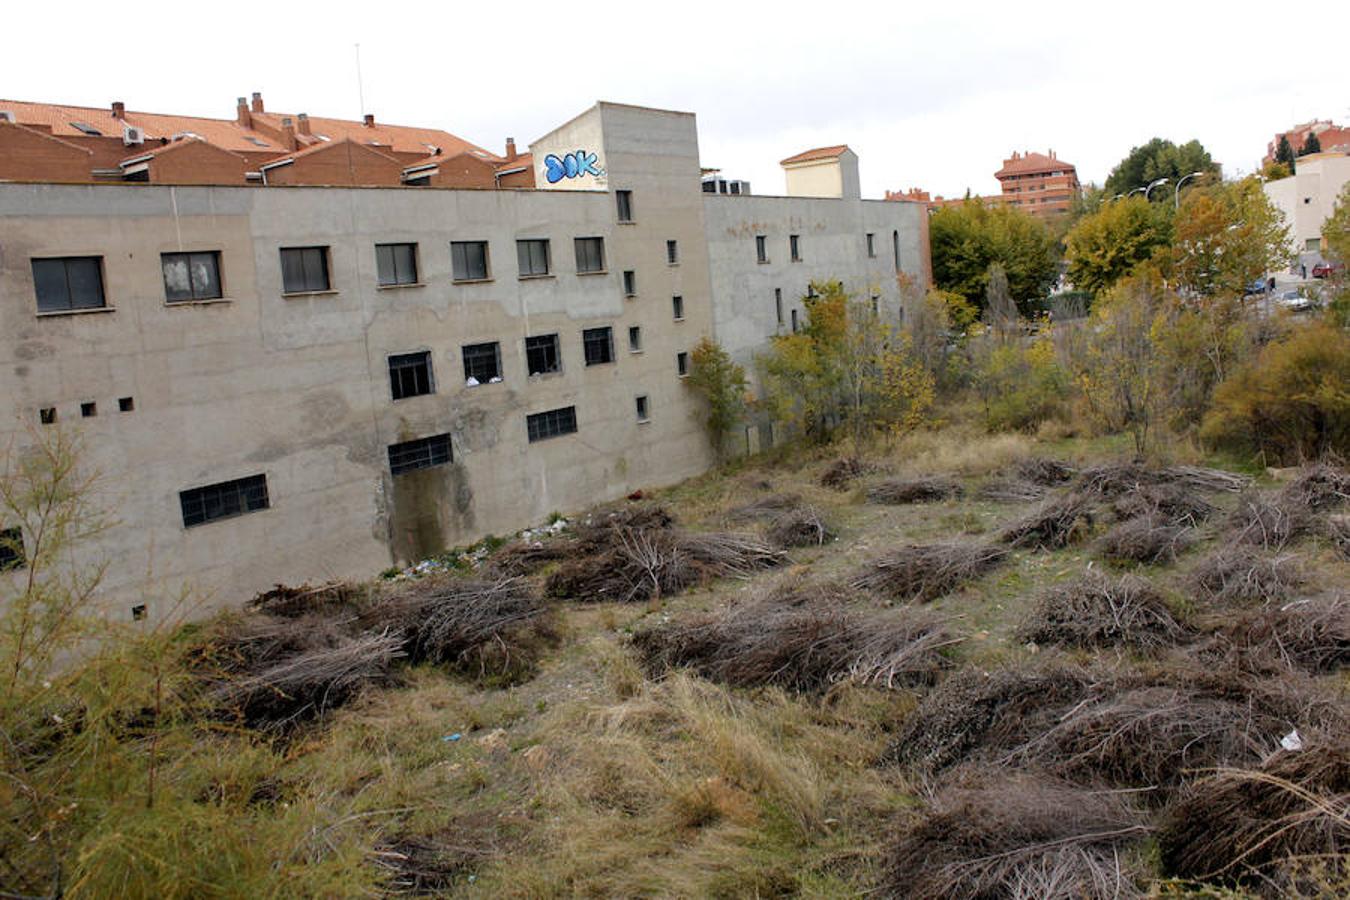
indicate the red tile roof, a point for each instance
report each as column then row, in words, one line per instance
column 1030, row 163
column 150, row 152
column 399, row 138
column 818, row 153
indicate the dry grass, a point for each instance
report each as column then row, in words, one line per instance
column 1044, row 471
column 1149, row 538
column 1018, row 835
column 767, row 507
column 1010, row 490
column 914, row 490
column 808, row 646
column 1256, row 824
column 921, row 572
column 1096, row 611
column 842, row 472
column 1056, row 523
column 1236, row 575
column 801, row 527
column 961, row 452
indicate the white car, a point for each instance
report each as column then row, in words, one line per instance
column 1294, row 300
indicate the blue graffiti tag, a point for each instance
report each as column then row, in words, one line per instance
column 573, row 165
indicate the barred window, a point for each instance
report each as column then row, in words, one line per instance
column 304, row 269
column 482, row 362
column 533, row 257
column 590, row 254
column 542, row 354
column 422, row 453
column 551, row 424
column 598, row 344
column 410, row 374
column 469, row 260
column 224, row 500
column 69, row 283
column 396, row 264
column 191, row 276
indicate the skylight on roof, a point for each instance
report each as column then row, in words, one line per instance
column 86, row 128
column 480, row 154
column 253, row 140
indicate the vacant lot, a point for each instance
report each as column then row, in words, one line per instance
column 975, row 666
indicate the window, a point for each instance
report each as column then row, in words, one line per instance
column 304, row 270
column 761, row 248
column 469, row 260
column 895, row 249
column 794, row 321
column 396, row 263
column 47, row 415
column 634, row 338
column 126, row 404
column 598, row 345
column 871, row 245
column 191, row 276
column 422, row 453
column 410, row 374
column 682, row 363
column 590, row 254
column 795, row 247
column 551, row 424
column 482, row 363
column 542, row 354
column 624, row 200
column 778, row 304
column 1312, row 245
column 138, row 612
column 224, row 500
column 677, row 307
column 532, row 257
column 876, row 305
column 672, row 253
column 629, row 283
column 642, row 415
column 12, row 554
column 88, row 410
column 69, row 283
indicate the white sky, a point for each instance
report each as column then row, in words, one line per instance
column 934, row 96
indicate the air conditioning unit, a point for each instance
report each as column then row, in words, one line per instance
column 7, row 116
column 132, row 136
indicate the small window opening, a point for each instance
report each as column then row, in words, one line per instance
column 47, row 415
column 126, row 404
column 88, row 410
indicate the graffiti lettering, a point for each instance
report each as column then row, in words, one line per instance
column 573, row 165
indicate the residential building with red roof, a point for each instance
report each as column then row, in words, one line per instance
column 1038, row 183
column 1330, row 137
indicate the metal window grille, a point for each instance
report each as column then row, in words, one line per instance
column 598, row 345
column 482, row 362
column 551, row 424
column 224, row 500
column 541, row 354
column 410, row 374
column 422, row 453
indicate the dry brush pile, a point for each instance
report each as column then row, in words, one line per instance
column 921, row 572
column 929, row 489
column 1095, row 611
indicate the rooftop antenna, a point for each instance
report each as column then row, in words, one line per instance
column 360, row 86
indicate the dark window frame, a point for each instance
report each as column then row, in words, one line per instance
column 597, row 345
column 13, row 553
column 551, row 423
column 394, row 266
column 630, row 282
column 795, row 247
column 677, row 307
column 466, row 268
column 761, row 248
column 473, row 356
column 551, row 354
column 420, row 453
column 411, row 375
column 194, row 294
column 871, row 245
column 315, row 274
column 623, row 202
column 642, row 408
column 634, row 338
column 778, row 304
column 672, row 252
column 89, row 272
column 682, row 363
column 582, row 247
column 224, row 500
column 527, row 259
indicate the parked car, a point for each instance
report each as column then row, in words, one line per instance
column 1259, row 286
column 1295, row 300
column 1326, row 269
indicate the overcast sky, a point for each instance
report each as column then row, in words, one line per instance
column 931, row 95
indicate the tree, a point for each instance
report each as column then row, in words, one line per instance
column 1106, row 246
column 968, row 238
column 1311, row 144
column 1284, row 153
column 1000, row 313
column 1158, row 159
column 1274, row 171
column 1336, row 236
column 722, row 385
column 1224, row 238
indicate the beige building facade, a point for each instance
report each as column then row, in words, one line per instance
column 290, row 384
column 1308, row 198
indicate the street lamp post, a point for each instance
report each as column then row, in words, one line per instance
column 1180, row 182
column 1152, row 185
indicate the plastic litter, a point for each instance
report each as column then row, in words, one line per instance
column 1292, row 741
column 452, row 737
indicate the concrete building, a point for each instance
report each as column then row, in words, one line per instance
column 823, row 172
column 289, row 383
column 1308, row 198
column 1038, row 183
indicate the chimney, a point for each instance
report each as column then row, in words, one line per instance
column 241, row 114
column 303, row 124
column 257, row 102
column 511, row 150
column 119, row 109
column 370, row 120
column 288, row 134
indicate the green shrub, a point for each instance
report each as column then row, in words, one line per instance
column 1022, row 385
